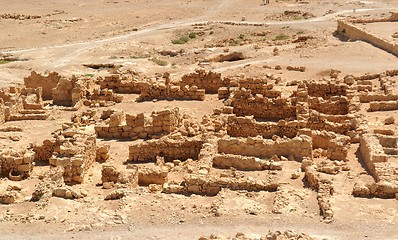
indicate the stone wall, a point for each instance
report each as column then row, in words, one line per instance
column 383, row 106
column 106, row 95
column 23, row 104
column 121, row 84
column 152, row 175
column 249, row 127
column 380, row 161
column 44, row 151
column 243, row 163
column 376, row 97
column 209, row 81
column 110, row 174
column 46, row 82
column 16, row 164
column 325, row 190
column 326, row 90
column 162, row 91
column 32, row 98
column 171, row 149
column 2, row 111
column 128, row 126
column 298, row 147
column 211, row 186
column 66, row 93
column 244, row 104
column 354, row 32
column 75, row 152
column 334, row 106
column 336, row 145
column 259, row 86
column 341, row 124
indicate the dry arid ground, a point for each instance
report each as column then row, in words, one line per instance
column 198, row 119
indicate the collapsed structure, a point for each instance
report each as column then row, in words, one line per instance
column 258, row 131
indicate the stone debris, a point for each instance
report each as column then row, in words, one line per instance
column 68, row 193
column 10, row 195
column 278, row 235
column 116, row 194
column 102, row 154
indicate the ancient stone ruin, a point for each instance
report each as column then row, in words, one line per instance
column 244, row 146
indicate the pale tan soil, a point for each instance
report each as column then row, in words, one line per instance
column 130, row 33
column 383, row 30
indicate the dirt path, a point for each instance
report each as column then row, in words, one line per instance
column 74, row 50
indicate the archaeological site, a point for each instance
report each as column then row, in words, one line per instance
column 199, row 119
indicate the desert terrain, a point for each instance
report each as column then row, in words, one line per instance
column 199, row 119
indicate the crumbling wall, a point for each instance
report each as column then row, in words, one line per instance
column 372, row 152
column 46, row 82
column 211, row 186
column 163, row 91
column 380, row 155
column 110, row 174
column 298, row 147
column 71, row 91
column 341, row 124
column 170, row 149
column 106, row 95
column 12, row 101
column 152, row 175
column 130, row 126
column 243, row 163
column 16, row 164
column 336, row 145
column 66, row 93
column 2, row 111
column 326, row 90
column 337, row 105
column 23, row 104
column 259, row 86
column 75, row 151
column 256, row 86
column 244, row 104
column 32, row 98
column 383, row 106
column 376, row 97
column 209, row 81
column 249, row 127
column 44, row 151
column 121, row 84
column 325, row 190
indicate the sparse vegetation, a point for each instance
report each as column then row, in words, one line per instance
column 192, row 35
column 239, row 40
column 139, row 56
column 281, row 37
column 185, row 38
column 3, row 61
column 300, row 32
column 159, row 62
column 298, row 17
column 181, row 40
column 89, row 75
